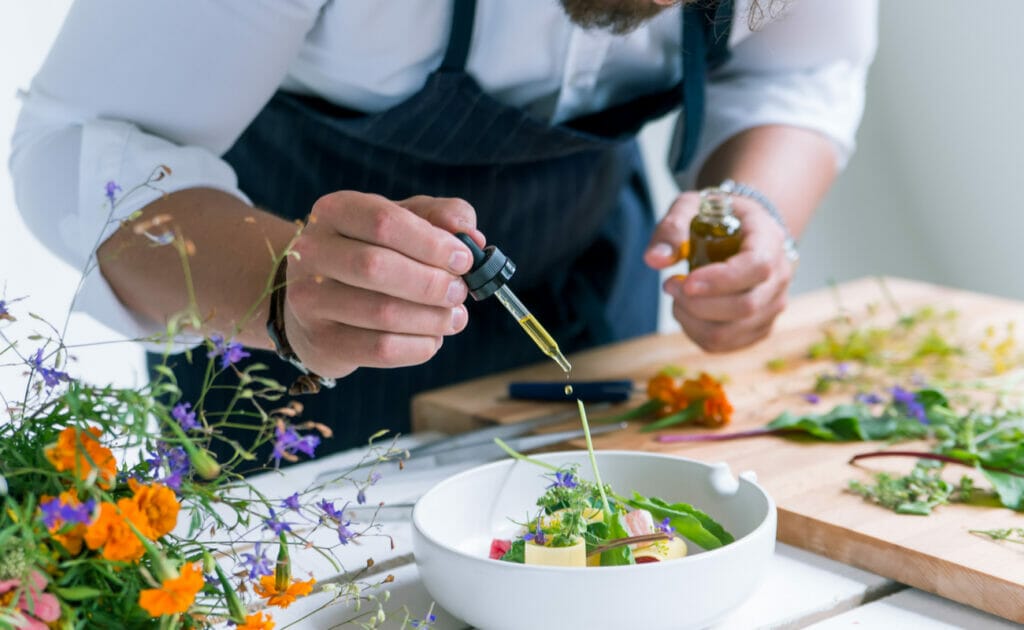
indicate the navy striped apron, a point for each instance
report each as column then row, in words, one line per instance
column 568, row 203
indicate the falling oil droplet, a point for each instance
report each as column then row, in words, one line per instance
column 568, row 390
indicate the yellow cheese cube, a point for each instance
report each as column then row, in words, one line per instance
column 574, row 556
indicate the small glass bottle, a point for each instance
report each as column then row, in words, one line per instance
column 715, row 231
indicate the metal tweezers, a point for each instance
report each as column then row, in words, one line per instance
column 479, row 446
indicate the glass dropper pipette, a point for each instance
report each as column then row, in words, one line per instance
column 489, row 276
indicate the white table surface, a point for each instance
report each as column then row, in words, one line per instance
column 800, row 590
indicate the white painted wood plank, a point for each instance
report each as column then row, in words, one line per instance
column 801, row 587
column 915, row 610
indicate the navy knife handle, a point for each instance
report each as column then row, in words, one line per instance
column 587, row 391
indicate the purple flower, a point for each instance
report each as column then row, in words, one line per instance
column 4, row 313
column 563, row 480
column 665, row 526
column 51, row 376
column 257, row 562
column 908, row 400
column 814, row 399
column 292, row 502
column 230, row 352
column 275, row 525
column 426, row 622
column 288, row 441
column 344, row 533
column 869, row 398
column 183, row 413
column 842, row 370
column 330, row 510
column 56, row 509
column 112, row 190
column 537, row 535
column 174, row 460
column 361, row 496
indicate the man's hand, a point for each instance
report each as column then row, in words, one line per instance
column 377, row 282
column 730, row 305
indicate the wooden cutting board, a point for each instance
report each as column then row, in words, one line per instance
column 807, row 479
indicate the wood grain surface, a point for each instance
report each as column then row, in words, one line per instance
column 807, row 479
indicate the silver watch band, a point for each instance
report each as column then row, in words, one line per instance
column 734, row 188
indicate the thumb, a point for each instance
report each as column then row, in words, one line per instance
column 670, row 241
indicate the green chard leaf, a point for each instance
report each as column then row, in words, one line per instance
column 688, row 521
column 1008, row 486
column 617, row 556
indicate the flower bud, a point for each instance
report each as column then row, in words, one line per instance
column 204, row 463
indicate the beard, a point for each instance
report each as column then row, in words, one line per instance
column 618, row 16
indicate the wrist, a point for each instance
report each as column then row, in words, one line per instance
column 309, row 382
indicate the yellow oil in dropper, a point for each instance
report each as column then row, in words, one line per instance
column 540, row 336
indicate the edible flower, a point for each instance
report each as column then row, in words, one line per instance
column 257, row 621
column 81, row 452
column 176, row 594
column 283, row 597
column 35, row 607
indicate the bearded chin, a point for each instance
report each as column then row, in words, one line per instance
column 618, row 16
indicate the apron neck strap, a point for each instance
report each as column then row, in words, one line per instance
column 461, row 35
column 705, row 46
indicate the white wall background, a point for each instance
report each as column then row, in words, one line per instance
column 933, row 193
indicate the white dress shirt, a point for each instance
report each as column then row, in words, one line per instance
column 131, row 85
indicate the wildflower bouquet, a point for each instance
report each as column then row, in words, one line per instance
column 114, row 513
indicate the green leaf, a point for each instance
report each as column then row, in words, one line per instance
column 691, row 412
column 619, row 555
column 709, row 523
column 78, row 593
column 1009, row 487
column 516, row 553
column 645, row 410
column 685, row 523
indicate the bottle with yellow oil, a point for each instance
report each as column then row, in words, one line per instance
column 715, row 233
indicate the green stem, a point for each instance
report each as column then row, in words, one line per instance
column 523, row 458
column 644, row 410
column 593, row 460
column 691, row 412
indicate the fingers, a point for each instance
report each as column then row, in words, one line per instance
column 725, row 335
column 672, row 232
column 448, row 213
column 379, row 221
column 336, row 350
column 360, row 308
column 381, row 270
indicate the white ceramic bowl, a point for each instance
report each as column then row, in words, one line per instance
column 454, row 522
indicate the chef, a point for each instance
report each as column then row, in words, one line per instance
column 362, row 134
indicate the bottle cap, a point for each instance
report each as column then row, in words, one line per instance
column 715, row 202
column 491, row 269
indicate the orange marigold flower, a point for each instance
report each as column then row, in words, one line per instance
column 176, row 594
column 159, row 506
column 662, row 387
column 268, row 588
column 257, row 622
column 81, row 452
column 111, row 530
column 717, row 408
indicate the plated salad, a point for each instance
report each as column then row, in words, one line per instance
column 581, row 523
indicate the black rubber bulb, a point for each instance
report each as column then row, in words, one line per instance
column 491, row 268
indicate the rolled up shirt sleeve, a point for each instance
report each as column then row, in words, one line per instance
column 807, row 69
column 122, row 95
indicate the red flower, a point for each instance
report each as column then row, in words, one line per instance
column 499, row 548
